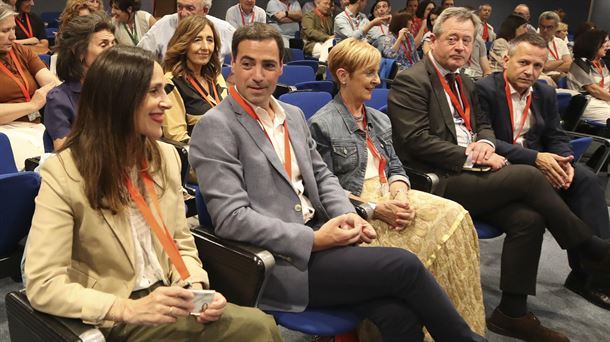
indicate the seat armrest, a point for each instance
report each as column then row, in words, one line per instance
column 239, row 271
column 422, row 181
column 27, row 324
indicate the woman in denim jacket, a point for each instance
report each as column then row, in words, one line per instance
column 356, row 144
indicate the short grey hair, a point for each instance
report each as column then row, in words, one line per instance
column 549, row 15
column 6, row 11
column 531, row 38
column 206, row 4
column 461, row 14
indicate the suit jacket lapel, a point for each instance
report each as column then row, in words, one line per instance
column 441, row 97
column 123, row 236
column 257, row 134
column 504, row 113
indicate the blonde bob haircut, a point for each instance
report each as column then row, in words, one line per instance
column 352, row 54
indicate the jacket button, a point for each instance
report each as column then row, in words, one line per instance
column 298, row 207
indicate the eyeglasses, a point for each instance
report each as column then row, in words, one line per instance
column 547, row 27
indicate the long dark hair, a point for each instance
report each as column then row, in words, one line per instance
column 588, row 43
column 421, row 8
column 73, row 41
column 509, row 26
column 104, row 142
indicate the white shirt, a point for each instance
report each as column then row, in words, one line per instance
column 464, row 136
column 562, row 49
column 275, row 130
column 234, row 16
column 519, row 103
column 348, row 24
column 148, row 268
column 157, row 38
column 274, row 6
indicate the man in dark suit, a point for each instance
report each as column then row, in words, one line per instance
column 528, row 132
column 437, row 126
column 265, row 184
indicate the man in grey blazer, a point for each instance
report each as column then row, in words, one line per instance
column 437, row 126
column 298, row 211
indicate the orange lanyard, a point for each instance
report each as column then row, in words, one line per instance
column 351, row 22
column 161, row 233
column 28, row 32
column 323, row 20
column 287, row 154
column 464, row 112
column 600, row 70
column 203, row 94
column 369, row 142
column 526, row 110
column 243, row 18
column 23, row 86
column 556, row 54
column 409, row 50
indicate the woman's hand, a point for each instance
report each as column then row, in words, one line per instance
column 214, row 310
column 403, row 33
column 40, row 95
column 161, row 306
column 398, row 214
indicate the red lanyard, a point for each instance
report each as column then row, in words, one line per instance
column 23, row 86
column 600, row 70
column 161, row 233
column 382, row 30
column 485, row 32
column 351, row 22
column 409, row 50
column 556, row 54
column 464, row 112
column 526, row 110
column 369, row 142
column 243, row 18
column 28, row 32
column 246, row 106
column 323, row 19
column 203, row 94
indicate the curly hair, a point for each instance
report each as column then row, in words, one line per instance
column 176, row 55
column 71, row 11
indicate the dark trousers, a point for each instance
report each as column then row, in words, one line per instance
column 519, row 200
column 389, row 286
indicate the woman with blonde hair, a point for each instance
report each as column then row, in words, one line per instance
column 192, row 64
column 355, row 141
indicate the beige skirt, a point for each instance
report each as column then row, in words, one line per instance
column 445, row 240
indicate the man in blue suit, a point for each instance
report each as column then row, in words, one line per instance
column 525, row 120
column 265, row 184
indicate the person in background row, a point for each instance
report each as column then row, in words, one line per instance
column 513, row 26
column 131, row 23
column 317, row 30
column 399, row 44
column 73, row 9
column 193, row 67
column 355, row 142
column 431, row 19
column 285, row 15
column 447, row 3
column 245, row 12
column 421, row 26
column 478, row 64
column 25, row 83
column 351, row 22
column 158, row 36
column 81, row 41
column 487, row 31
column 584, row 27
column 98, row 5
column 122, row 256
column 30, row 29
column 380, row 9
column 560, row 58
column 524, row 11
column 589, row 73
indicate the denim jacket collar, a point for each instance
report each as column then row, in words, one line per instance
column 347, row 117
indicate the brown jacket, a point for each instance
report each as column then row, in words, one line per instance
column 314, row 30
